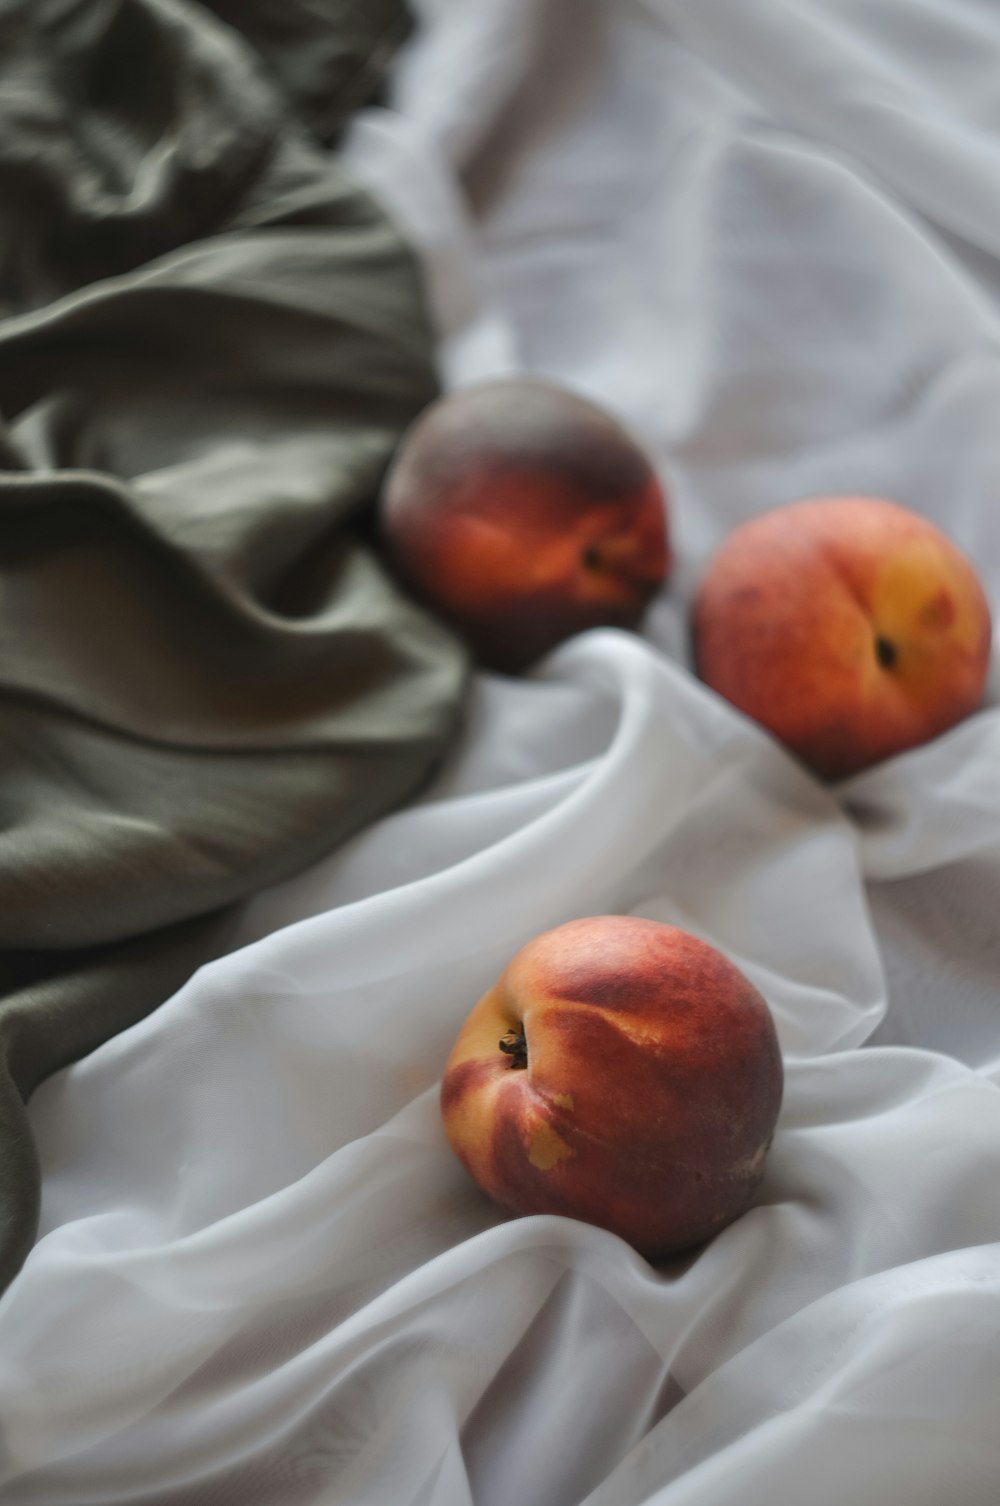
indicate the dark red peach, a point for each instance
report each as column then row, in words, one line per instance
column 523, row 513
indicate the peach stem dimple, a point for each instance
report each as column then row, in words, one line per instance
column 515, row 1046
column 885, row 652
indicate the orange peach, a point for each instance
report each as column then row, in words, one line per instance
column 523, row 514
column 621, row 1072
column 849, row 627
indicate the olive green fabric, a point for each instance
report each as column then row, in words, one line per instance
column 212, row 341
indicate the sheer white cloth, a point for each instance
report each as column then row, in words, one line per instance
column 768, row 235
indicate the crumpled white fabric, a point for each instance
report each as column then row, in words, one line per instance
column 768, row 235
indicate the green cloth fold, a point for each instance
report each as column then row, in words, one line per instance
column 212, row 343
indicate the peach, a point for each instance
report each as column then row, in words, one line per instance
column 523, row 514
column 847, row 626
column 622, row 1072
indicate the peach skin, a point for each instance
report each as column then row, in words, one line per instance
column 849, row 627
column 622, row 1072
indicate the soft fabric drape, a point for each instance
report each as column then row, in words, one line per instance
column 768, row 235
column 212, row 342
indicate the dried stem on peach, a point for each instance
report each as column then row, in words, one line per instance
column 515, row 1046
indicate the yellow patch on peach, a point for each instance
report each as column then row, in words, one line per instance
column 922, row 592
column 753, row 1165
column 547, row 1148
column 564, row 1101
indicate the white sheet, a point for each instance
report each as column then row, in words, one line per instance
column 768, row 234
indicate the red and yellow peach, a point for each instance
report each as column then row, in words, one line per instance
column 849, row 627
column 622, row 1072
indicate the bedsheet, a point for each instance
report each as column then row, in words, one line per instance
column 766, row 235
